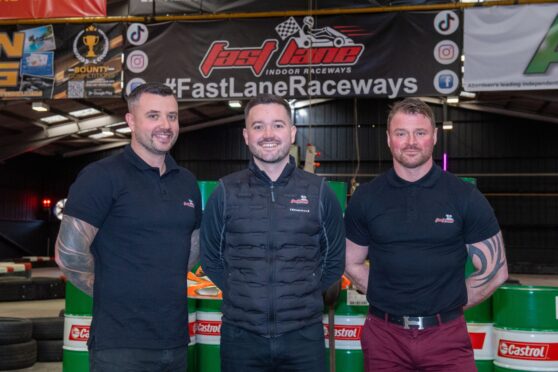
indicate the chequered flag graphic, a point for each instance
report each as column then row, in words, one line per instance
column 287, row 28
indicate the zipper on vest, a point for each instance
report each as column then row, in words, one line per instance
column 272, row 193
column 271, row 327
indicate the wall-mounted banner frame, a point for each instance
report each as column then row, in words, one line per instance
column 511, row 48
column 373, row 55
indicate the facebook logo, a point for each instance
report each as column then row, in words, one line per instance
column 445, row 81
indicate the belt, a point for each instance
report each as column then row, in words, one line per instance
column 418, row 322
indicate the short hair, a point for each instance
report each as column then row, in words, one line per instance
column 412, row 106
column 158, row 89
column 267, row 99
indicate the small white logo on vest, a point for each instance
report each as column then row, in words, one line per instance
column 302, row 200
column 189, row 203
column 447, row 219
column 299, row 210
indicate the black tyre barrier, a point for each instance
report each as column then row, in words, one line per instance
column 62, row 313
column 15, row 330
column 51, row 328
column 17, row 356
column 49, row 350
column 16, row 289
column 48, row 288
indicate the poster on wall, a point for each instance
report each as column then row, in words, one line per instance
column 61, row 61
column 381, row 55
column 521, row 52
column 19, row 9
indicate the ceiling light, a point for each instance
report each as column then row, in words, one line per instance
column 447, row 125
column 235, row 104
column 452, row 99
column 120, row 123
column 39, row 106
column 467, row 94
column 85, row 112
column 54, row 119
column 103, row 133
column 124, row 130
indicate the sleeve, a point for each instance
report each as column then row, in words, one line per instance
column 332, row 239
column 480, row 222
column 355, row 219
column 91, row 195
column 212, row 237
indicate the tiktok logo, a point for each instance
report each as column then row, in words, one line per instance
column 137, row 34
column 446, row 22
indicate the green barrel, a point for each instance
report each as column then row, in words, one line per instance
column 208, row 335
column 484, row 365
column 526, row 328
column 206, row 188
column 340, row 190
column 480, row 327
column 77, row 321
column 349, row 320
column 192, row 346
column 470, row 180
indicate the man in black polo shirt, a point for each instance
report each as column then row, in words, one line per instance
column 417, row 224
column 129, row 230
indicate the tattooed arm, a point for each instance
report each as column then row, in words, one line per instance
column 489, row 258
column 73, row 254
column 194, row 249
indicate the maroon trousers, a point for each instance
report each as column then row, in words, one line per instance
column 390, row 347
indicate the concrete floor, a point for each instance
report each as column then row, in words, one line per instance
column 47, row 308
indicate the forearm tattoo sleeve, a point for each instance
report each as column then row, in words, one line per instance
column 73, row 252
column 490, row 256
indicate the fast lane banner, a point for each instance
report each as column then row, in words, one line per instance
column 61, row 61
column 382, row 55
column 511, row 48
column 13, row 9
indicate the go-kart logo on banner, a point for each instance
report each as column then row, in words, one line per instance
column 306, row 45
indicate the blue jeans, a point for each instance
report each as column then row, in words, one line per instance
column 302, row 350
column 138, row 360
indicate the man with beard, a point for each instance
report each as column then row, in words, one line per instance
column 417, row 224
column 272, row 239
column 128, row 237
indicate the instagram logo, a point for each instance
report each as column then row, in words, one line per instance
column 137, row 61
column 446, row 52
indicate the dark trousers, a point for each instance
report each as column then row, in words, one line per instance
column 301, row 350
column 390, row 347
column 139, row 360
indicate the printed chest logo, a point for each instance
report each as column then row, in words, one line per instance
column 447, row 219
column 329, row 46
column 189, row 203
column 299, row 203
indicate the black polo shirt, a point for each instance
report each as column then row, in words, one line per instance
column 416, row 233
column 141, row 250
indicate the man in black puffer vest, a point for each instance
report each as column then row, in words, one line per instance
column 273, row 240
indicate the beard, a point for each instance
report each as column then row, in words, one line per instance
column 420, row 158
column 270, row 157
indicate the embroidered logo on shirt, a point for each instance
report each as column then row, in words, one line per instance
column 189, row 203
column 303, row 200
column 447, row 219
